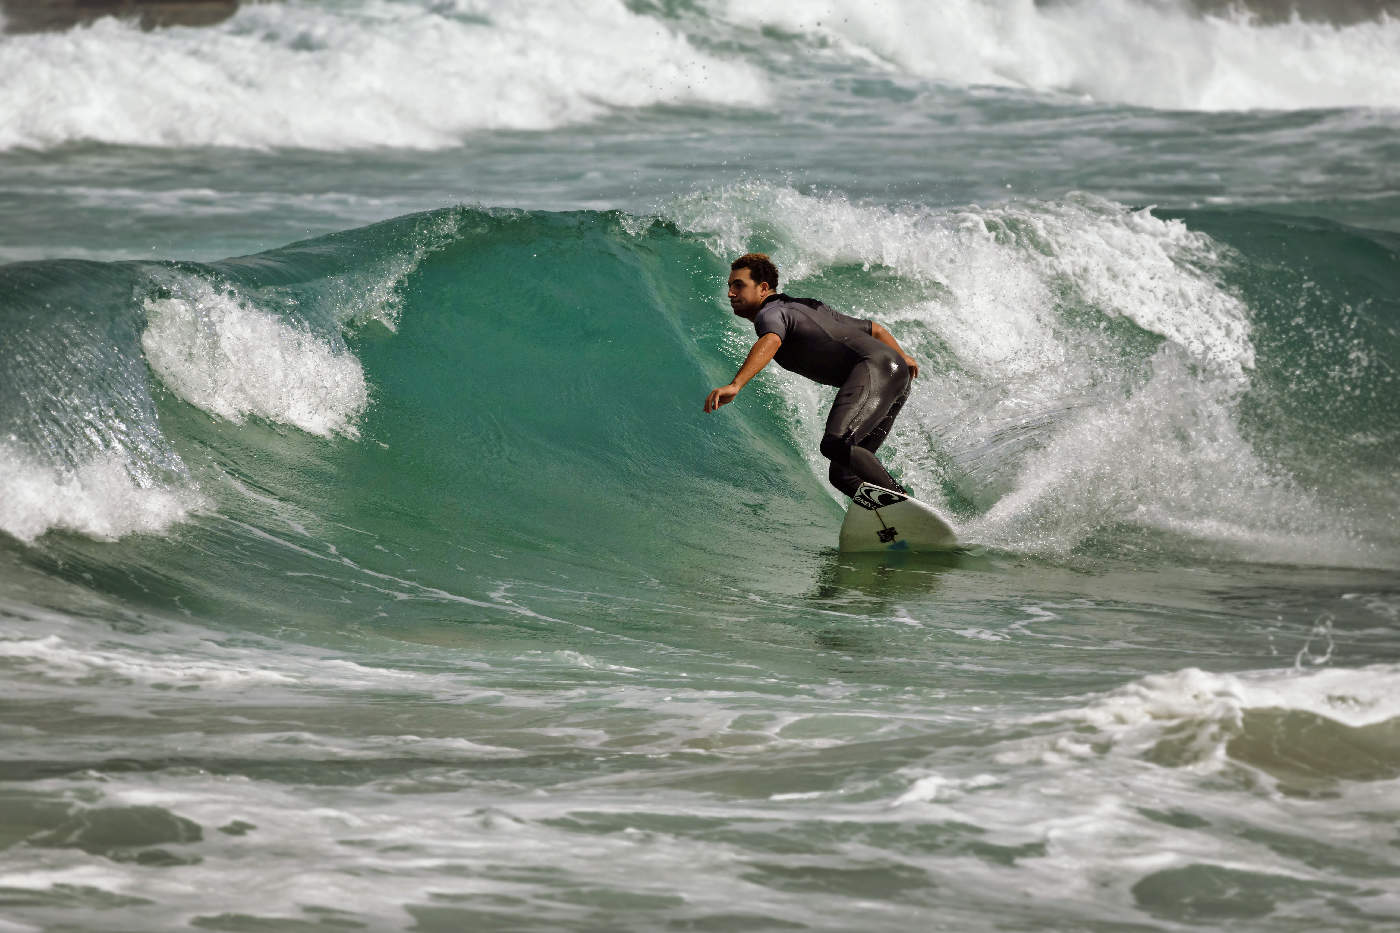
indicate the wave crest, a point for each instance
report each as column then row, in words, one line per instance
column 220, row 354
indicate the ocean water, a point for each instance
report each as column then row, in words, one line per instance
column 367, row 562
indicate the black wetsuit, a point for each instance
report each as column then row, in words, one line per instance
column 838, row 350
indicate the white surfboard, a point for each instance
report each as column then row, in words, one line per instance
column 882, row 520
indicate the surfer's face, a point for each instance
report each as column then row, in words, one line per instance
column 745, row 295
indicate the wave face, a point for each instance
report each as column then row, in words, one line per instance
column 1096, row 381
column 377, row 74
column 406, row 555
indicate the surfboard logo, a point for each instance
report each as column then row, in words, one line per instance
column 873, row 497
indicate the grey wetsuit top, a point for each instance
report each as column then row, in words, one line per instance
column 822, row 344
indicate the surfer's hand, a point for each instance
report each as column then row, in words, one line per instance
column 721, row 396
column 913, row 365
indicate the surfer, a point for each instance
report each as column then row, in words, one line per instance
column 826, row 346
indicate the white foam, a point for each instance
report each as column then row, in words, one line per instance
column 217, row 351
column 1171, row 457
column 60, row 650
column 100, row 498
column 346, row 76
column 62, row 660
column 941, row 788
column 590, row 663
column 1154, row 54
column 1140, row 713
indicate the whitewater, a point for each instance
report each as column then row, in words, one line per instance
column 367, row 561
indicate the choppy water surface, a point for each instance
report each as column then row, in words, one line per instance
column 366, row 561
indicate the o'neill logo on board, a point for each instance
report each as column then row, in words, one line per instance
column 873, row 497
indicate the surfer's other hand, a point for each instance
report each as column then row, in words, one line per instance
column 913, row 365
column 721, row 396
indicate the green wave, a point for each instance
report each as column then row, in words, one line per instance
column 532, row 408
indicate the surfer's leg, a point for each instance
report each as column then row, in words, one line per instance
column 843, row 478
column 875, row 438
column 863, row 413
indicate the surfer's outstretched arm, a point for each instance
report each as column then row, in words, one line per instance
column 759, row 356
column 887, row 338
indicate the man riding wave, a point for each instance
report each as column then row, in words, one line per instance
column 809, row 338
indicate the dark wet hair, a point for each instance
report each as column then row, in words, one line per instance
column 761, row 268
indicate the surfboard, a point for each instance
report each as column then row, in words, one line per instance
column 883, row 520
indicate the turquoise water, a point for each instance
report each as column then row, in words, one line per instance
column 367, row 562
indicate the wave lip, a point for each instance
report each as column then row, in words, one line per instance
column 375, row 74
column 230, row 359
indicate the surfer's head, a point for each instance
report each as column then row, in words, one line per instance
column 752, row 278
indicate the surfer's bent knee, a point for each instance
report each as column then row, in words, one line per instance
column 836, row 449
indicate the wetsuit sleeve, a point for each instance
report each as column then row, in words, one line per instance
column 773, row 319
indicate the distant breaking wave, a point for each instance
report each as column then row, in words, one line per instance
column 356, row 76
column 372, row 73
column 1151, row 53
